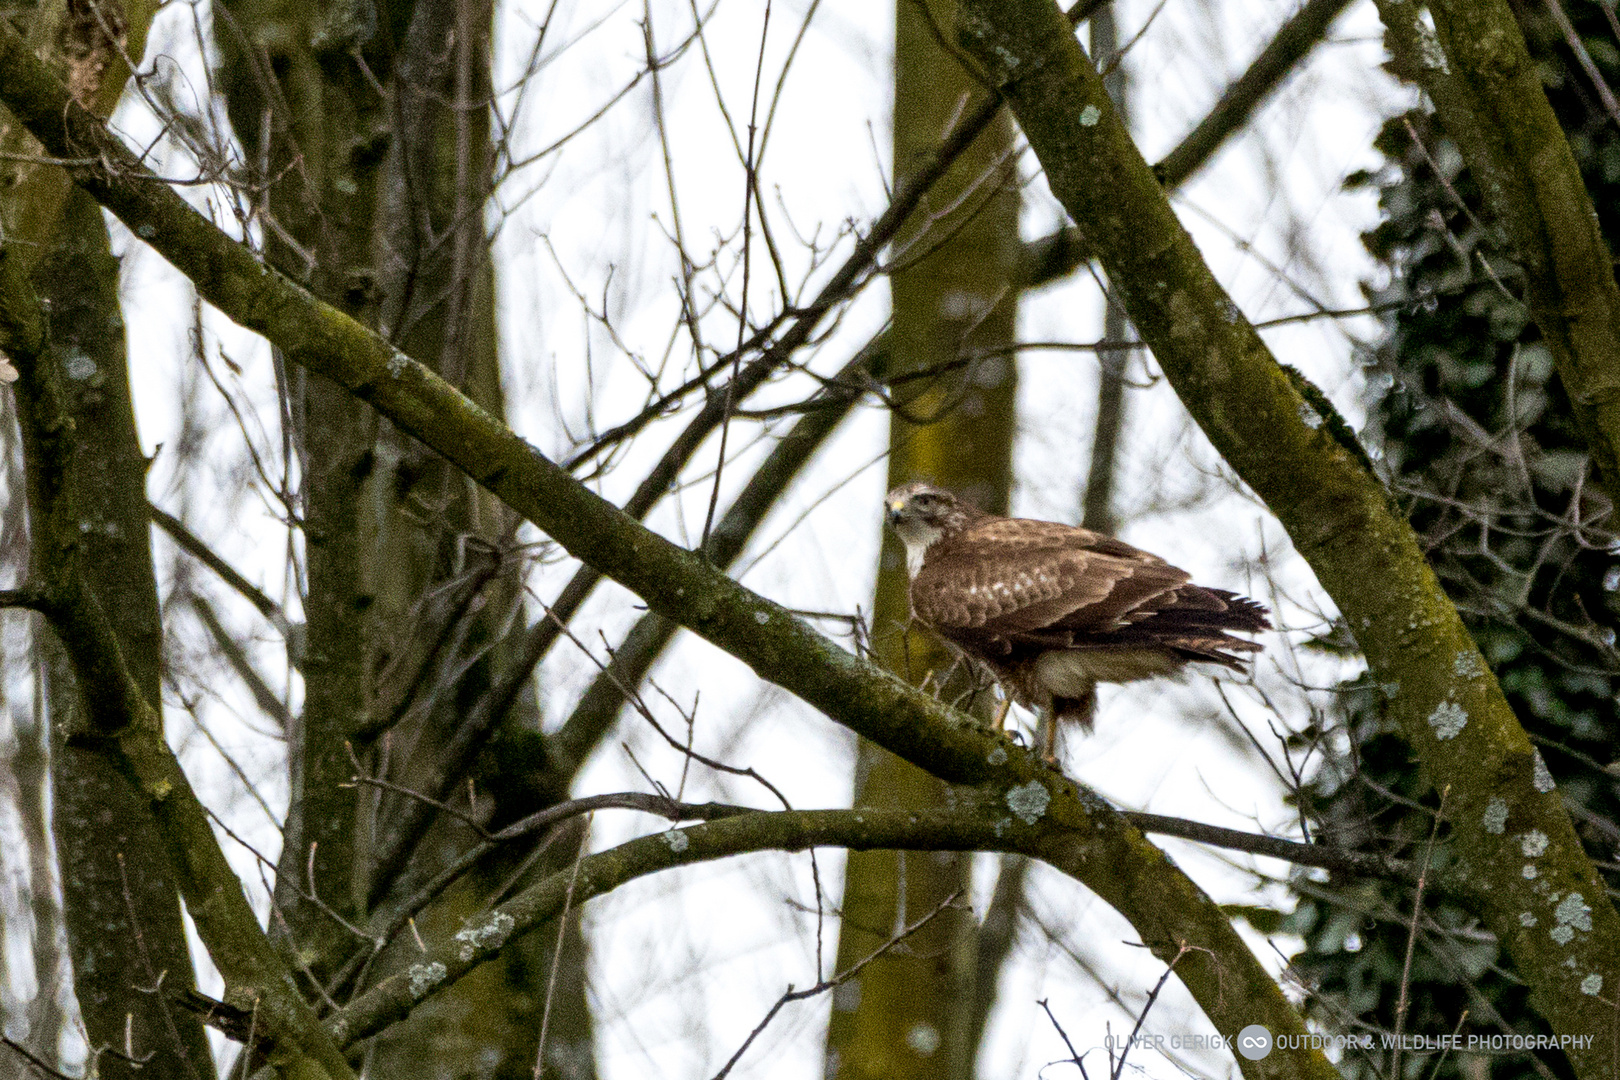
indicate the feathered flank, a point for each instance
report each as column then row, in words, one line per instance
column 1052, row 610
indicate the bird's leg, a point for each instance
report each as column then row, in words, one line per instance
column 1000, row 721
column 1047, row 739
column 1082, row 710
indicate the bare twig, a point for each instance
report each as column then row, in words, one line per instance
column 556, row 953
column 1404, row 1001
column 1182, row 949
column 154, row 977
column 836, row 981
column 1074, row 1055
column 33, row 1060
column 1337, row 859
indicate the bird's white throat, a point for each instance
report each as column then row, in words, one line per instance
column 918, row 536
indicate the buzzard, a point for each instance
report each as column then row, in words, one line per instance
column 1052, row 610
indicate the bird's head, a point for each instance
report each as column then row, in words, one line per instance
column 923, row 514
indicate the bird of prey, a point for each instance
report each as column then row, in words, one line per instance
column 1052, row 610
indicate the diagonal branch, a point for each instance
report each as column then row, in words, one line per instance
column 1059, row 253
column 1045, row 260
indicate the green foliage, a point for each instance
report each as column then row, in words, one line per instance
column 1480, row 448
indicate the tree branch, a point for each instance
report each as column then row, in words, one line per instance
column 1236, row 107
column 1341, row 860
column 1060, row 253
column 189, row 542
column 25, row 597
column 979, row 822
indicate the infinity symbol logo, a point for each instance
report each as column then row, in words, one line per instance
column 1254, row 1042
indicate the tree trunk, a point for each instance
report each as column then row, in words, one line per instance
column 120, row 903
column 121, row 909
column 409, row 575
column 910, row 1014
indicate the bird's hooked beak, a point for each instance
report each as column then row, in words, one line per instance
column 896, row 511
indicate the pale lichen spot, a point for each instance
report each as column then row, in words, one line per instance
column 146, row 231
column 397, row 363
column 1309, row 416
column 960, row 304
column 1390, row 689
column 1561, row 934
column 998, row 756
column 487, row 933
column 79, row 365
column 1533, row 844
column 1468, row 665
column 1029, row 801
column 424, row 977
column 1496, row 815
column 1573, row 910
column 1527, row 919
column 924, row 1038
column 762, row 617
column 1090, row 115
column 1539, row 776
column 678, row 841
column 1448, row 720
column 992, row 372
column 159, row 789
column 1530, row 871
column 1592, row 985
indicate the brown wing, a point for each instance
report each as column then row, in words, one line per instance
column 1009, row 577
column 1007, row 585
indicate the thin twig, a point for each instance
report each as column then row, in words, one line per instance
column 1182, row 949
column 154, row 977
column 1074, row 1055
column 556, row 954
column 28, row 1055
column 836, row 981
column 1404, row 1001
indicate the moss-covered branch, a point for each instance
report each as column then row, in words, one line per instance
column 973, row 824
column 976, row 823
column 1088, row 839
column 1517, row 851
